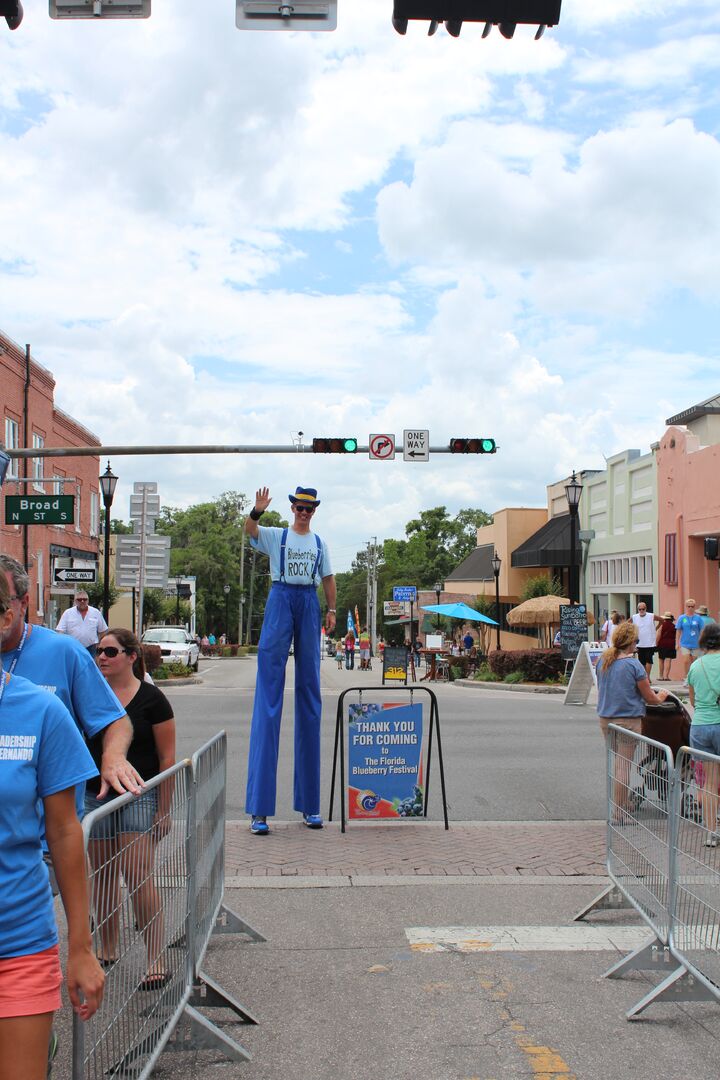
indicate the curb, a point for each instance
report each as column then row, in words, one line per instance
column 166, row 684
column 525, row 688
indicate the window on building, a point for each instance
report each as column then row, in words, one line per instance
column 94, row 513
column 38, row 463
column 77, row 509
column 12, row 441
column 671, row 567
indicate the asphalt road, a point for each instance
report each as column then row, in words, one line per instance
column 508, row 756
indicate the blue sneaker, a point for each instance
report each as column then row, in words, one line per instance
column 313, row 821
column 259, row 826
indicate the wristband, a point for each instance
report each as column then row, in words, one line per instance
column 331, row 611
column 256, row 514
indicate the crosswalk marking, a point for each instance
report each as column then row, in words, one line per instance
column 482, row 939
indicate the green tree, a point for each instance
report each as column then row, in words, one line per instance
column 205, row 541
column 96, row 593
column 541, row 585
column 435, row 544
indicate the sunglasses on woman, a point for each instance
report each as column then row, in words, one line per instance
column 110, row 651
column 304, row 509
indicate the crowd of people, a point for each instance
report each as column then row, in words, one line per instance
column 664, row 635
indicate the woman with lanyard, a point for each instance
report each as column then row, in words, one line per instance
column 42, row 756
column 704, row 691
column 127, row 840
column 623, row 691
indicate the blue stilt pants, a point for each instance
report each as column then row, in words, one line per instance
column 292, row 614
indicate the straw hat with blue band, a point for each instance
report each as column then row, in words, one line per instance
column 305, row 497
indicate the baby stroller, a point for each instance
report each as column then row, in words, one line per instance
column 667, row 723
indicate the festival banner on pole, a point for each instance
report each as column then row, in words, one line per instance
column 385, row 778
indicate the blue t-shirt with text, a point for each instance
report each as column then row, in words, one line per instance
column 301, row 551
column 690, row 627
column 59, row 664
column 41, row 752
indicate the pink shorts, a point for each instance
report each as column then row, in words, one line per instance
column 30, row 985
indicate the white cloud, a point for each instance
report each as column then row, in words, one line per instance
column 631, row 212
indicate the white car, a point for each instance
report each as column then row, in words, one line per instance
column 176, row 645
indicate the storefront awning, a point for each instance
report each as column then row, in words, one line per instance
column 549, row 546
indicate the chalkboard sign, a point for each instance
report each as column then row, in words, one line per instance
column 395, row 663
column 573, row 629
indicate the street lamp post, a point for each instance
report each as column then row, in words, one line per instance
column 437, row 589
column 226, row 590
column 108, row 483
column 496, row 564
column 573, row 491
column 178, row 585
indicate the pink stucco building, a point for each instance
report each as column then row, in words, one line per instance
column 688, row 479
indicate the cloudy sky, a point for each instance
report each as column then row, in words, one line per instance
column 219, row 237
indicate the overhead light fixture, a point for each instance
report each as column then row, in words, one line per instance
column 13, row 12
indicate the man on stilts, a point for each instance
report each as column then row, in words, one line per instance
column 299, row 562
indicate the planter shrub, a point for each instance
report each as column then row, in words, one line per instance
column 536, row 665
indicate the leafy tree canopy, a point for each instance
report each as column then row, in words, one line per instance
column 435, row 544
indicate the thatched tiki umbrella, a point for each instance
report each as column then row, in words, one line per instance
column 543, row 612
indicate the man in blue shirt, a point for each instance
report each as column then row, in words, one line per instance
column 60, row 665
column 299, row 561
column 688, row 629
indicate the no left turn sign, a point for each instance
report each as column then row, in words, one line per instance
column 382, row 447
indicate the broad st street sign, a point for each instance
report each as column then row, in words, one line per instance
column 39, row 509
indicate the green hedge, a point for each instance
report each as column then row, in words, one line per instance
column 536, row 665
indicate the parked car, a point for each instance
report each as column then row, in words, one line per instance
column 176, row 645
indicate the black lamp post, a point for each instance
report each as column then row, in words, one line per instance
column 437, row 588
column 573, row 490
column 178, row 586
column 496, row 564
column 108, row 483
column 226, row 590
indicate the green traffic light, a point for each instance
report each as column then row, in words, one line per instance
column 350, row 445
column 488, row 446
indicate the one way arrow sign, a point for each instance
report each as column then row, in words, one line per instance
column 65, row 576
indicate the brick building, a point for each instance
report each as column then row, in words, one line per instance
column 29, row 419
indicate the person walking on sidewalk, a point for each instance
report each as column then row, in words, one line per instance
column 647, row 623
column 704, row 686
column 299, row 562
column 83, row 622
column 687, row 632
column 623, row 690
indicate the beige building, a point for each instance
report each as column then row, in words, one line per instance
column 619, row 507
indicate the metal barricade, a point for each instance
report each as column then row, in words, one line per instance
column 138, row 870
column 206, row 858
column 156, row 867
column 694, row 939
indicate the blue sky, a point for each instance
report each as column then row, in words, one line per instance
column 356, row 232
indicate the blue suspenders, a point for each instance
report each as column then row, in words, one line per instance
column 283, row 543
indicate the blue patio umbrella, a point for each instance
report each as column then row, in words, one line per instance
column 459, row 611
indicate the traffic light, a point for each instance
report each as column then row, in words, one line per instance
column 473, row 446
column 13, row 12
column 342, row 445
column 505, row 14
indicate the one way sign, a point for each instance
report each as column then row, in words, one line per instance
column 66, row 576
column 416, row 445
